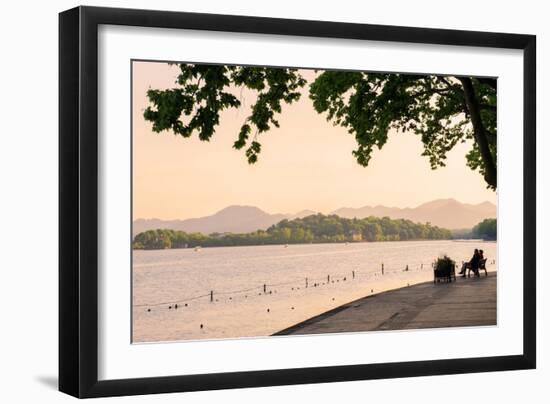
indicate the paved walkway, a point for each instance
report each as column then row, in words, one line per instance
column 466, row 302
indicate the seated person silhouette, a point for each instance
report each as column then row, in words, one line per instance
column 473, row 264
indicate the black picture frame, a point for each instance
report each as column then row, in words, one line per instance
column 78, row 201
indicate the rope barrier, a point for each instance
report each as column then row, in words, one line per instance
column 172, row 302
column 306, row 282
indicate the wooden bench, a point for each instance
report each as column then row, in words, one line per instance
column 481, row 267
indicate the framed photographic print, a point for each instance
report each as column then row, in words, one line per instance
column 251, row 201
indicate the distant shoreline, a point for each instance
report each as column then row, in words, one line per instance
column 310, row 229
column 327, row 243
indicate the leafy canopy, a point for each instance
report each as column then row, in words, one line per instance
column 441, row 110
column 204, row 92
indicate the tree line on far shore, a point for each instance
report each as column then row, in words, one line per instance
column 311, row 229
column 486, row 229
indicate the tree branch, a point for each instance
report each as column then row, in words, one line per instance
column 432, row 91
column 480, row 133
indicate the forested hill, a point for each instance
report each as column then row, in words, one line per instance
column 311, row 229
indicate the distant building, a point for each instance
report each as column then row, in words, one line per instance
column 356, row 236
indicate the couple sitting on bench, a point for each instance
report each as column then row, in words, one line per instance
column 475, row 264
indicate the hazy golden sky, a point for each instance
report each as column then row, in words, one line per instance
column 305, row 164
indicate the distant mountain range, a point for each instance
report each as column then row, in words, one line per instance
column 447, row 213
column 233, row 219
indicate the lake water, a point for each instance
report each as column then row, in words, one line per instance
column 237, row 275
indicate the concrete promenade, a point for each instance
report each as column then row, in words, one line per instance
column 466, row 302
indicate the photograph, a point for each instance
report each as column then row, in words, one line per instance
column 244, row 202
column 274, row 201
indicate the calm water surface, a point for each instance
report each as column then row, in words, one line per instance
column 237, row 275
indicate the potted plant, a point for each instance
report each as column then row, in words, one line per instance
column 444, row 269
